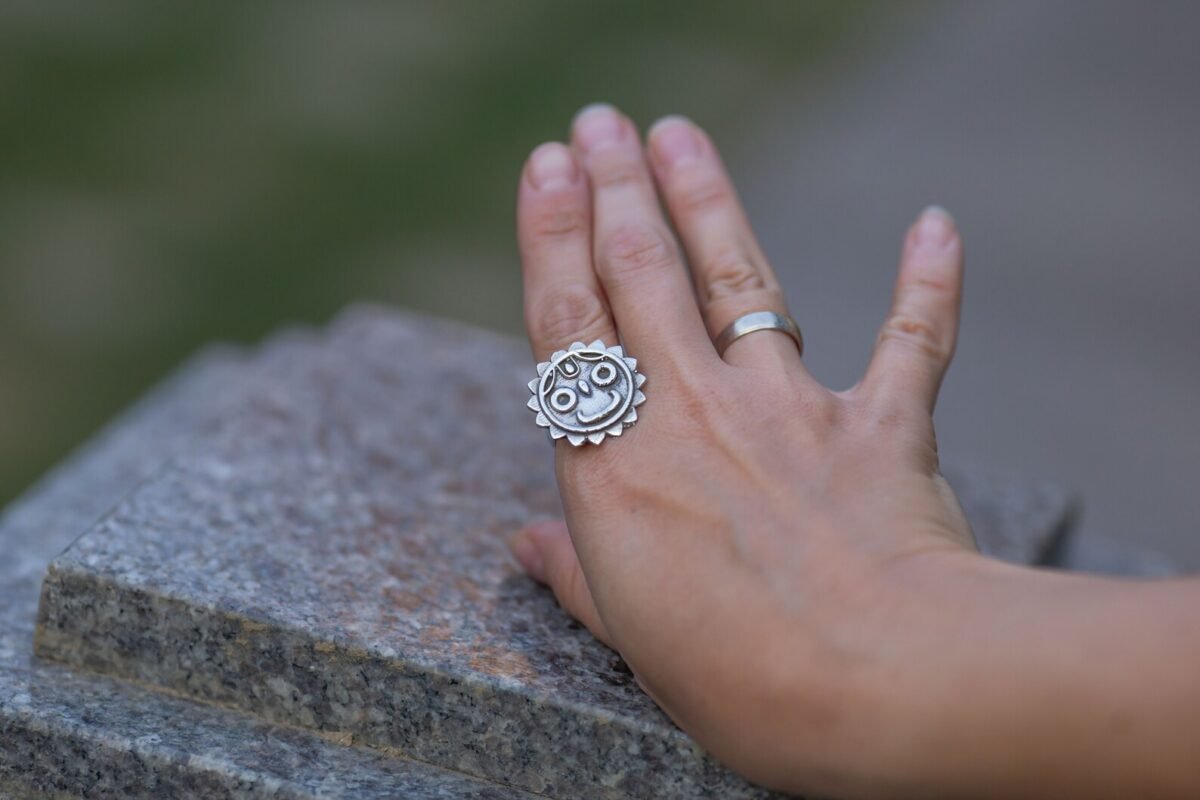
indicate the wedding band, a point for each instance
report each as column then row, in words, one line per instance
column 759, row 321
column 587, row 392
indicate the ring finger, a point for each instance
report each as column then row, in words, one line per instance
column 732, row 276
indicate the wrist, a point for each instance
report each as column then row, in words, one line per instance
column 864, row 671
column 911, row 689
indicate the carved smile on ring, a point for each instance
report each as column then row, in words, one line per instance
column 588, row 419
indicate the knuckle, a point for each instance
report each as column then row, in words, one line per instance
column 560, row 220
column 915, row 334
column 914, row 280
column 705, row 195
column 632, row 250
column 730, row 272
column 594, row 475
column 818, row 412
column 826, row 411
column 615, row 172
column 698, row 402
column 568, row 312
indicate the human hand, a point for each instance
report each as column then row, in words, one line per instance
column 748, row 545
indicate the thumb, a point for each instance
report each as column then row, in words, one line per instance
column 545, row 551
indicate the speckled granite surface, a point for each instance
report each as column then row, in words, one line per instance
column 302, row 536
column 329, row 555
column 1013, row 518
column 1083, row 552
column 67, row 733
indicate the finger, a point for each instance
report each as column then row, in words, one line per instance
column 563, row 299
column 732, row 275
column 636, row 257
column 917, row 340
column 545, row 551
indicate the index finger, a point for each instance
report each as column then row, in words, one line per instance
column 918, row 337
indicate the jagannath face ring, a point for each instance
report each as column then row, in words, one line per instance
column 586, row 393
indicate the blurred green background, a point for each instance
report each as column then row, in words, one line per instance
column 174, row 174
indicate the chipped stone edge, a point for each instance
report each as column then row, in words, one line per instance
column 70, row 632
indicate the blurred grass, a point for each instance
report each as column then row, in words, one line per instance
column 174, row 174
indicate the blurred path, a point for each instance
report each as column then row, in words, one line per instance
column 1066, row 139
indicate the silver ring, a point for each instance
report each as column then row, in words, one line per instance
column 587, row 392
column 759, row 321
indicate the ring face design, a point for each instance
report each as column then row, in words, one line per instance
column 587, row 392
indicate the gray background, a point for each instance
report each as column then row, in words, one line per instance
column 1064, row 138
column 172, row 174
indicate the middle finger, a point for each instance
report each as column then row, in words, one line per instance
column 636, row 256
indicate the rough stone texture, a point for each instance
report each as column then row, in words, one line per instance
column 329, row 554
column 1085, row 552
column 1013, row 518
column 78, row 734
column 314, row 535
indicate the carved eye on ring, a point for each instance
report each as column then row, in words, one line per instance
column 563, row 400
column 604, row 374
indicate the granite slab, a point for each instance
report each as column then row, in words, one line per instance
column 76, row 734
column 1083, row 551
column 329, row 555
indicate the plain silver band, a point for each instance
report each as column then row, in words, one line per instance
column 759, row 321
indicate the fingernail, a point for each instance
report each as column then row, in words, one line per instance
column 598, row 124
column 674, row 141
column 528, row 555
column 551, row 167
column 935, row 226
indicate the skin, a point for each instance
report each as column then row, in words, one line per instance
column 782, row 566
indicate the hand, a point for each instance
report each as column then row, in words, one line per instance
column 744, row 545
column 782, row 566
